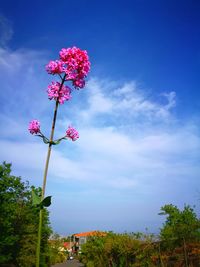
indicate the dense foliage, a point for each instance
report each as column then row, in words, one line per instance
column 19, row 222
column 177, row 245
column 117, row 250
column 58, row 253
column 179, row 225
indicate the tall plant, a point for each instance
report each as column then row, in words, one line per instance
column 72, row 67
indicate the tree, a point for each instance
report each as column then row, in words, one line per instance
column 179, row 224
column 19, row 221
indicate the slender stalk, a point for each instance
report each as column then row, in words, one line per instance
column 45, row 178
column 161, row 262
column 185, row 253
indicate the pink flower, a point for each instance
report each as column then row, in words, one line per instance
column 79, row 83
column 72, row 133
column 55, row 67
column 77, row 65
column 34, row 127
column 55, row 92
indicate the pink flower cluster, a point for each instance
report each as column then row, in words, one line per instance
column 77, row 65
column 72, row 133
column 56, row 92
column 34, row 127
column 74, row 62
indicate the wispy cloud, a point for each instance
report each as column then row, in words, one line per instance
column 133, row 100
column 125, row 101
column 6, row 31
column 23, row 86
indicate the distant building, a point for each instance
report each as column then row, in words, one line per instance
column 81, row 238
column 68, row 246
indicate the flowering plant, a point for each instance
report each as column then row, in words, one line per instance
column 72, row 67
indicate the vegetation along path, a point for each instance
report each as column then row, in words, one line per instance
column 69, row 263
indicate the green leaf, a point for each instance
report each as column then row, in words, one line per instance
column 55, row 142
column 46, row 202
column 45, row 140
column 35, row 198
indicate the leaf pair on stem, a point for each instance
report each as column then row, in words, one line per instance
column 36, row 200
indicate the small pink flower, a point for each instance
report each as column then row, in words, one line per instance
column 79, row 83
column 34, row 127
column 55, row 67
column 55, row 92
column 72, row 133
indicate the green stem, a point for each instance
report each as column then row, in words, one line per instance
column 45, row 178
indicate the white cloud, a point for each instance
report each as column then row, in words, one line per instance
column 27, row 155
column 136, row 103
column 171, row 100
column 109, row 158
column 23, row 82
column 125, row 101
column 98, row 103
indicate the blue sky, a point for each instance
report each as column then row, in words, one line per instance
column 138, row 116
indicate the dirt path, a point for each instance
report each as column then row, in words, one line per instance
column 69, row 263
